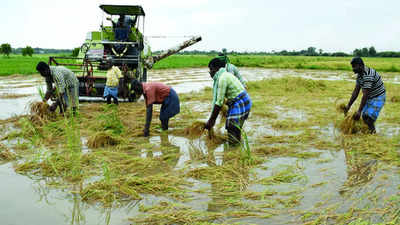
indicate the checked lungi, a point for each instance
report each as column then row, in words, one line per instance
column 239, row 109
column 374, row 106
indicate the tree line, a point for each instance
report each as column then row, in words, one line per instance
column 310, row 51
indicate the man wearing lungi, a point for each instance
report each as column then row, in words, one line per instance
column 374, row 95
column 226, row 85
column 157, row 93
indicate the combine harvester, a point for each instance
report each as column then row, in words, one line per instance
column 121, row 44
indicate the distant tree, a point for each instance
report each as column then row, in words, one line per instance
column 5, row 49
column 357, row 52
column 75, row 52
column 372, row 51
column 311, row 51
column 364, row 52
column 320, row 51
column 28, row 50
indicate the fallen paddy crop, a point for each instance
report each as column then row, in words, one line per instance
column 270, row 177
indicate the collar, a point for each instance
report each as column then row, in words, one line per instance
column 218, row 73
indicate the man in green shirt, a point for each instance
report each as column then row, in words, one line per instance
column 226, row 85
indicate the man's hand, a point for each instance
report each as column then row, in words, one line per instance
column 210, row 123
column 346, row 109
column 146, row 132
column 357, row 116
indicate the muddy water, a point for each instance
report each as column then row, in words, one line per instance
column 27, row 201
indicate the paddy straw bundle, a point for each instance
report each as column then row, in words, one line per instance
column 351, row 126
column 40, row 113
column 341, row 107
column 195, row 130
column 102, row 139
column 40, row 109
column 395, row 99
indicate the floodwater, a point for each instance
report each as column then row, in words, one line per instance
column 24, row 200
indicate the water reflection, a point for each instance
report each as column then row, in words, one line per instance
column 360, row 170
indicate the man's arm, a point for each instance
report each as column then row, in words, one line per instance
column 49, row 90
column 211, row 122
column 354, row 96
column 362, row 104
column 149, row 115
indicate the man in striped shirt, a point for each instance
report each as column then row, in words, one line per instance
column 66, row 86
column 374, row 95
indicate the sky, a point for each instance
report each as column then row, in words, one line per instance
column 251, row 25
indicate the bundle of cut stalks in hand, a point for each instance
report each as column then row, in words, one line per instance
column 39, row 112
column 351, row 126
column 195, row 130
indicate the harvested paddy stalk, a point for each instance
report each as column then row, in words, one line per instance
column 395, row 99
column 341, row 107
column 102, row 139
column 195, row 130
column 351, row 126
column 39, row 112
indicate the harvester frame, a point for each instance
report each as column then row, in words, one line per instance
column 122, row 45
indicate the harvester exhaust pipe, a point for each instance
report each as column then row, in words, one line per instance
column 149, row 61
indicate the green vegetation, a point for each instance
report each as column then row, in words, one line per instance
column 28, row 50
column 17, row 64
column 294, row 165
column 21, row 65
column 5, row 49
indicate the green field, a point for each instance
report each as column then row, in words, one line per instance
column 17, row 64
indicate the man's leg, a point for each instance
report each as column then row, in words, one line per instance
column 370, row 122
column 234, row 134
column 108, row 99
column 115, row 100
column 164, row 124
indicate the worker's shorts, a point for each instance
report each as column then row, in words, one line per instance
column 170, row 106
column 374, row 106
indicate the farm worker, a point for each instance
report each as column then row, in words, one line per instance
column 231, row 68
column 66, row 86
column 373, row 90
column 111, row 88
column 226, row 85
column 157, row 93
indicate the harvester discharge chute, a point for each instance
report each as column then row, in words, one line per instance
column 120, row 44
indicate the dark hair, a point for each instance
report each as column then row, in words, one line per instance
column 42, row 66
column 216, row 63
column 357, row 61
column 137, row 87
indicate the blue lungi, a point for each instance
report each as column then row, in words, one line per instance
column 239, row 109
column 374, row 106
column 170, row 106
column 113, row 91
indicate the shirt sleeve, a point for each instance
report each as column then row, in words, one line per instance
column 221, row 92
column 49, row 86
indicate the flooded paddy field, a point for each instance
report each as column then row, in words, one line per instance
column 294, row 167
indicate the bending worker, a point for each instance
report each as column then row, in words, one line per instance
column 374, row 94
column 66, row 86
column 157, row 93
column 226, row 85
